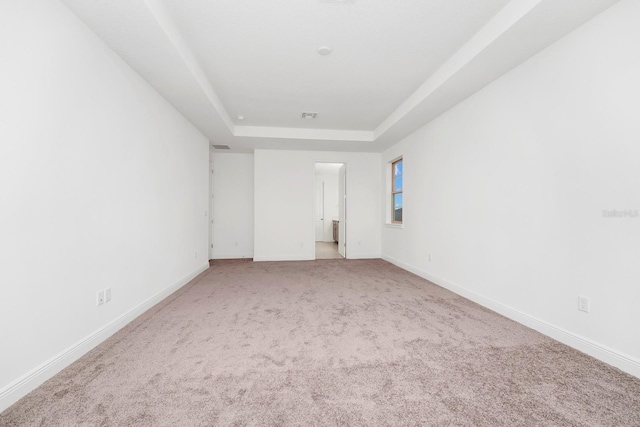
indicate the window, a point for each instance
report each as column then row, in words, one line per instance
column 396, row 192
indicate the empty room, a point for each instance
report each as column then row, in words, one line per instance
column 319, row 213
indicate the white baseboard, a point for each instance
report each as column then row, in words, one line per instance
column 310, row 257
column 284, row 258
column 230, row 255
column 19, row 388
column 601, row 352
column 363, row 256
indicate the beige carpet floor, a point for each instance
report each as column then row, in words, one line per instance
column 332, row 342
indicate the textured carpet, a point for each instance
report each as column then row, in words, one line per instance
column 329, row 342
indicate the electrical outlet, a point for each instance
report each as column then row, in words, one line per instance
column 429, row 257
column 583, row 304
column 100, row 298
column 107, row 295
column 196, row 255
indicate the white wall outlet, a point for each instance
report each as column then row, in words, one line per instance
column 583, row 304
column 196, row 255
column 107, row 295
column 429, row 257
column 100, row 298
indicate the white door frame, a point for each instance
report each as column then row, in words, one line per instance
column 342, row 210
column 344, row 223
column 319, row 207
column 210, row 219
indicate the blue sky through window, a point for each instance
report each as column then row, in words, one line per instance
column 397, row 176
column 397, row 190
column 397, row 201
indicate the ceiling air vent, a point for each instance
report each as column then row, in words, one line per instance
column 220, row 147
column 308, row 115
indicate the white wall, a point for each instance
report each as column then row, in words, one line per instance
column 330, row 179
column 232, row 205
column 506, row 191
column 102, row 184
column 284, row 203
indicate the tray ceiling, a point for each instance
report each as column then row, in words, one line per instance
column 244, row 71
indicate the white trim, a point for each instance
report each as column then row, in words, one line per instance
column 498, row 26
column 170, row 30
column 388, row 183
column 395, row 159
column 364, row 256
column 19, row 388
column 306, row 257
column 232, row 255
column 599, row 351
column 390, row 225
column 304, row 133
column 285, row 258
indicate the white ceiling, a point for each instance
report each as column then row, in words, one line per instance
column 394, row 66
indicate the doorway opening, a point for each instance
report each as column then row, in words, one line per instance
column 330, row 189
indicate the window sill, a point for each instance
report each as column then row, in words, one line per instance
column 391, row 225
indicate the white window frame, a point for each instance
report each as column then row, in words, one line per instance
column 389, row 194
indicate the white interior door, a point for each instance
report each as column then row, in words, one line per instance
column 319, row 211
column 342, row 211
